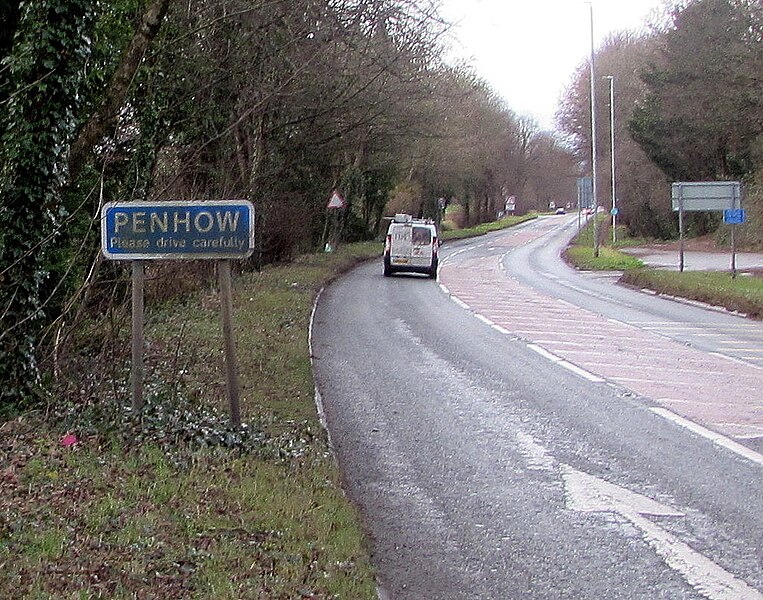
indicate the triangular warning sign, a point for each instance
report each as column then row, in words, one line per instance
column 336, row 201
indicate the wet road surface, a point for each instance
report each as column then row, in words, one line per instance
column 489, row 465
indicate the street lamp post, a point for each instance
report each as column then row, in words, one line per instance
column 593, row 143
column 612, row 152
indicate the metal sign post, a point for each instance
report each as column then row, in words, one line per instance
column 140, row 231
column 704, row 196
column 734, row 217
column 680, row 230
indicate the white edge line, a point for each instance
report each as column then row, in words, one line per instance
column 714, row 437
column 485, row 320
column 567, row 365
column 502, row 330
column 544, row 353
column 444, row 289
column 318, row 397
column 460, row 302
column 582, row 372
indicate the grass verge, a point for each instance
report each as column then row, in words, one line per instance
column 742, row 294
column 176, row 504
column 580, row 253
column 608, row 260
column 458, row 234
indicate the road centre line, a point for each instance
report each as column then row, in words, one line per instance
column 716, row 438
column 544, row 353
column 566, row 364
column 582, row 372
column 460, row 302
column 484, row 319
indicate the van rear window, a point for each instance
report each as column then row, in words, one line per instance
column 422, row 236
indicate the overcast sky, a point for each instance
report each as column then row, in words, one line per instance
column 528, row 50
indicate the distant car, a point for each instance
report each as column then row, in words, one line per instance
column 411, row 246
column 561, row 211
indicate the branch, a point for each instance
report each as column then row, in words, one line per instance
column 105, row 117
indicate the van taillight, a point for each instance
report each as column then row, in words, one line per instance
column 388, row 243
column 434, row 243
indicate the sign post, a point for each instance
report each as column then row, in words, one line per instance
column 705, row 196
column 734, row 217
column 136, row 371
column 231, row 366
column 139, row 231
column 335, row 204
column 585, row 196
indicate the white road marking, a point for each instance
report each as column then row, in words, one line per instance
column 586, row 493
column 589, row 494
column 567, row 365
column 582, row 372
column 318, row 398
column 484, row 319
column 544, row 353
column 714, row 437
column 460, row 302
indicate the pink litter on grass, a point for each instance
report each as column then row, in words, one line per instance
column 69, row 440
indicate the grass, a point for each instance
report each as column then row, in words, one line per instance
column 609, row 259
column 581, row 254
column 741, row 294
column 458, row 234
column 158, row 507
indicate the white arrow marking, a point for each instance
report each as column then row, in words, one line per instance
column 586, row 493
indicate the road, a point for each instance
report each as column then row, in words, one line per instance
column 490, row 464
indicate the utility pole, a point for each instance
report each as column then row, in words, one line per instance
column 593, row 143
column 612, row 153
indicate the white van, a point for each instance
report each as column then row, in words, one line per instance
column 411, row 246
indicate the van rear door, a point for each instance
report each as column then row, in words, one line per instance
column 421, row 245
column 401, row 247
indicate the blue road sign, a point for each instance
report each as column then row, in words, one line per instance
column 734, row 216
column 219, row 229
column 614, row 211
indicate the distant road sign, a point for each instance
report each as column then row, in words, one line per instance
column 336, row 201
column 706, row 195
column 734, row 216
column 585, row 192
column 220, row 229
column 614, row 212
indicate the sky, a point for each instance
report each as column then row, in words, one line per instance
column 528, row 50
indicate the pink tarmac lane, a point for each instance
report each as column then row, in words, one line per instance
column 720, row 393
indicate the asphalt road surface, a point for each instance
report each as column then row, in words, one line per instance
column 497, row 450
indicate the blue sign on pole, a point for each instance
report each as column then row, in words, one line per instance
column 734, row 216
column 219, row 229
